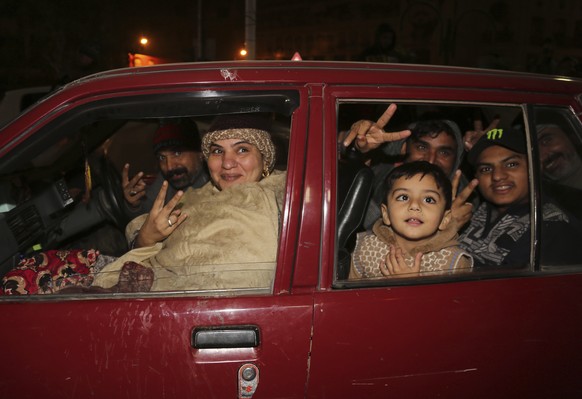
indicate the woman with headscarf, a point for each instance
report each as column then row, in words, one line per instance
column 222, row 235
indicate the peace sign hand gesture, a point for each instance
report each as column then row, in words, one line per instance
column 472, row 136
column 461, row 209
column 369, row 135
column 162, row 219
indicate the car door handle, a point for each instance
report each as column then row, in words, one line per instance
column 225, row 337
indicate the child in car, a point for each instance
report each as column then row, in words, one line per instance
column 415, row 234
column 499, row 234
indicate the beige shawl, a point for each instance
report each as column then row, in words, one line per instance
column 228, row 240
column 440, row 254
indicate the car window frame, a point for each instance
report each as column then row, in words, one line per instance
column 568, row 112
column 285, row 100
column 534, row 267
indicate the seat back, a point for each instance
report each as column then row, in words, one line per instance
column 353, row 194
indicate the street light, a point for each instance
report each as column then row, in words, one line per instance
column 138, row 57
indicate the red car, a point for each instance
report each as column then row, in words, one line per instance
column 503, row 333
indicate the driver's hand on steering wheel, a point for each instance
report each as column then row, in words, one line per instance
column 134, row 189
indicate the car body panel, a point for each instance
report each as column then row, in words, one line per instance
column 142, row 348
column 444, row 340
column 447, row 339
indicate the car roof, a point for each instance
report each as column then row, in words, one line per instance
column 342, row 73
column 267, row 74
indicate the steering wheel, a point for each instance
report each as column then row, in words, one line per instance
column 111, row 196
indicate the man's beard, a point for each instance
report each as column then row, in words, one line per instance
column 179, row 178
column 558, row 166
column 568, row 174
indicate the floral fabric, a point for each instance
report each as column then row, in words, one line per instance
column 51, row 271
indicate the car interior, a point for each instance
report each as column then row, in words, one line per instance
column 61, row 188
column 356, row 179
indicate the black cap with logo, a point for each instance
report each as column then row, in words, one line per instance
column 512, row 138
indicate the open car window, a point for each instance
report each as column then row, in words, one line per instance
column 505, row 204
column 559, row 142
column 62, row 212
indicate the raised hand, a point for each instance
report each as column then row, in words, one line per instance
column 368, row 135
column 162, row 219
column 461, row 210
column 472, row 136
column 134, row 189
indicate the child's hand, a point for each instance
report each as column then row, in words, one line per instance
column 395, row 264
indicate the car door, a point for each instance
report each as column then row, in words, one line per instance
column 504, row 333
column 203, row 343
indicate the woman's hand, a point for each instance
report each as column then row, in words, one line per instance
column 369, row 135
column 396, row 265
column 162, row 219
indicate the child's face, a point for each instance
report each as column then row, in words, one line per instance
column 503, row 177
column 416, row 208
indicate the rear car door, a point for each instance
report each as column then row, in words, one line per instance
column 500, row 333
column 204, row 343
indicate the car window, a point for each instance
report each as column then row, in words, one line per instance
column 373, row 245
column 68, row 226
column 559, row 143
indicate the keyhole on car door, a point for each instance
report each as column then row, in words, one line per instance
column 248, row 380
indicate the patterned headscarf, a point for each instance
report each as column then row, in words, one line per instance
column 248, row 127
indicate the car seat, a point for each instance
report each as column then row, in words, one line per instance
column 354, row 187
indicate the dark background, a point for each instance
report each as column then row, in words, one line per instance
column 40, row 41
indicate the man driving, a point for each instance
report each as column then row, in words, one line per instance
column 176, row 147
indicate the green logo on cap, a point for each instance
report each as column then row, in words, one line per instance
column 494, row 134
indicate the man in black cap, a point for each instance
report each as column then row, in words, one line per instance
column 176, row 147
column 499, row 232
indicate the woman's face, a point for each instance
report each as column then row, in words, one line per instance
column 234, row 161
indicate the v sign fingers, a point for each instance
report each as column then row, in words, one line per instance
column 367, row 135
column 461, row 210
column 162, row 219
column 357, row 134
column 386, row 116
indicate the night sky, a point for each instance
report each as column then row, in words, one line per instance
column 40, row 40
